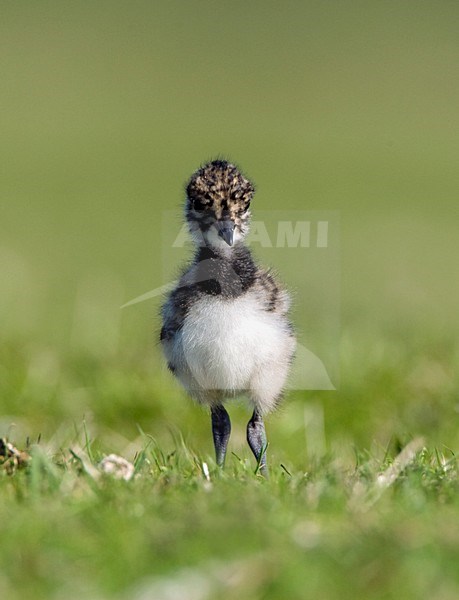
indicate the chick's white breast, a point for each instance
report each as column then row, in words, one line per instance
column 225, row 341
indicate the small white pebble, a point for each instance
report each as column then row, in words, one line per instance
column 117, row 466
column 205, row 470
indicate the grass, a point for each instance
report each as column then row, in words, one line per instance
column 373, row 516
column 332, row 531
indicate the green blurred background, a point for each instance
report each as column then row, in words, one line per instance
column 108, row 107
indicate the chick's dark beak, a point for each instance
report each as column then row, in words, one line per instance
column 225, row 230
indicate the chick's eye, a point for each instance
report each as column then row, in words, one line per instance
column 199, row 204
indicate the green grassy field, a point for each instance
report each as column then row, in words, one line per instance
column 106, row 111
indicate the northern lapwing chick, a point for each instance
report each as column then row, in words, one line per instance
column 225, row 329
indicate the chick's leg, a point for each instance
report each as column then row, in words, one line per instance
column 221, row 429
column 256, row 437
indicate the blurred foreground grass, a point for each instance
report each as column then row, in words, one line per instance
column 106, row 110
column 380, row 528
column 359, row 505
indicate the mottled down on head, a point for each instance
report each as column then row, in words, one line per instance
column 218, row 198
